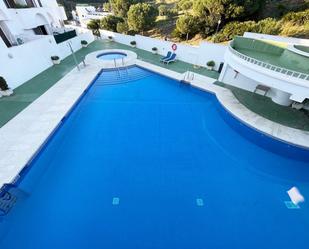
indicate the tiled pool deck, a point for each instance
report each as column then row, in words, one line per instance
column 32, row 89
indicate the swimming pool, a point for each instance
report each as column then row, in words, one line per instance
column 111, row 56
column 144, row 161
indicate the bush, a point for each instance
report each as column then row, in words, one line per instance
column 83, row 42
column 233, row 29
column 110, row 37
column 3, row 85
column 185, row 5
column 154, row 49
column 55, row 58
column 211, row 64
column 133, row 43
column 122, row 27
column 268, row 26
column 297, row 18
column 163, row 10
column 110, row 23
column 94, row 25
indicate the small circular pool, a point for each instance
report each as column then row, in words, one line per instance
column 111, row 56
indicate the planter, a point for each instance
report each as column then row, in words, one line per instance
column 210, row 68
column 7, row 92
column 56, row 62
column 84, row 45
column 133, row 44
column 154, row 52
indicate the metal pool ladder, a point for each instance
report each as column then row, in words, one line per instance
column 189, row 76
column 115, row 64
column 124, row 66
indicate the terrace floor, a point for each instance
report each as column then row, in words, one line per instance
column 32, row 89
column 274, row 60
column 266, row 108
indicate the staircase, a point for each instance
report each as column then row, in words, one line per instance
column 9, row 195
column 122, row 75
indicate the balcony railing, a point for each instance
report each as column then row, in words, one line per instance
column 269, row 66
column 61, row 37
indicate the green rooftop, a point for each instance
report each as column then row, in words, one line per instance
column 302, row 48
column 272, row 54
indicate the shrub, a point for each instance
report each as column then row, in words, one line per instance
column 211, row 64
column 3, row 85
column 133, row 43
column 110, row 23
column 83, row 42
column 268, row 26
column 122, row 27
column 55, row 57
column 94, row 25
column 110, row 37
column 154, row 49
column 233, row 29
column 163, row 10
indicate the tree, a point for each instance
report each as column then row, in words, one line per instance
column 185, row 5
column 186, row 26
column 122, row 27
column 141, row 17
column 94, row 25
column 110, row 22
column 107, row 6
column 163, row 10
column 213, row 12
column 121, row 7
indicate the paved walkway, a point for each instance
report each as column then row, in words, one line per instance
column 32, row 89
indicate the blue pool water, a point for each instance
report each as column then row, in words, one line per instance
column 151, row 163
column 111, row 56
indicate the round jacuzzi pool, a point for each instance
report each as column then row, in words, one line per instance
column 111, row 56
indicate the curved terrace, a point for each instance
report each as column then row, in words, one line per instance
column 272, row 54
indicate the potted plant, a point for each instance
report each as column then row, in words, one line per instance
column 110, row 38
column 4, row 88
column 210, row 65
column 84, row 43
column 55, row 59
column 133, row 44
column 154, row 50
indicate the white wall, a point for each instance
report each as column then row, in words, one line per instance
column 21, row 63
column 198, row 55
column 63, row 49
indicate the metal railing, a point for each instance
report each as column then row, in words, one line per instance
column 269, row 66
column 188, row 76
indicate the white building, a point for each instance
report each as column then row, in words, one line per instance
column 85, row 13
column 275, row 66
column 31, row 31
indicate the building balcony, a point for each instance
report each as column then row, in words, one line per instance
column 251, row 62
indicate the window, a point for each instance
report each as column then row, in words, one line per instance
column 4, row 38
column 40, row 4
column 40, row 30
